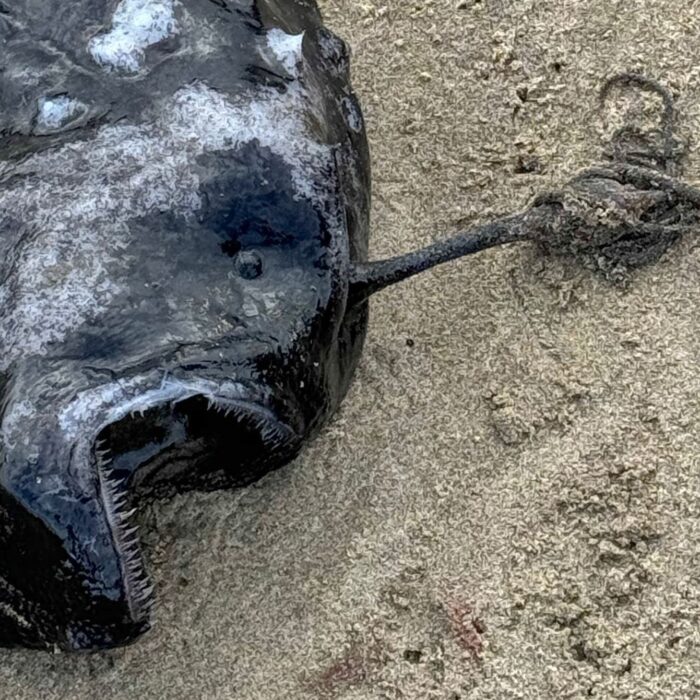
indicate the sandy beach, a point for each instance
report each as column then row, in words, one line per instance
column 508, row 504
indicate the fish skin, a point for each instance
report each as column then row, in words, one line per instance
column 184, row 187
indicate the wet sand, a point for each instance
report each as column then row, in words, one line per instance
column 508, row 505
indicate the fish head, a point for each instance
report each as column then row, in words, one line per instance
column 211, row 359
column 211, row 368
column 174, row 254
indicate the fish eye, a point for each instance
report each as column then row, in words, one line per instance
column 249, row 264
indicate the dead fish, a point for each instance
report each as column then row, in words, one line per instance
column 184, row 219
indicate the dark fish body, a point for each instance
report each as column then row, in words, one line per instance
column 184, row 187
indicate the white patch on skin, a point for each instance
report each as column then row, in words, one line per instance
column 56, row 112
column 75, row 201
column 353, row 117
column 287, row 49
column 15, row 420
column 136, row 25
column 276, row 123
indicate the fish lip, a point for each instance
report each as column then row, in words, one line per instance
column 90, row 412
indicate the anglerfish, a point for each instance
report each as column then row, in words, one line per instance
column 184, row 221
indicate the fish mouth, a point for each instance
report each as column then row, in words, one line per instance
column 172, row 440
column 83, row 585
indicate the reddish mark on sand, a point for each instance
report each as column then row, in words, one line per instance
column 352, row 669
column 467, row 628
column 349, row 670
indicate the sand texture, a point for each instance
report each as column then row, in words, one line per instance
column 508, row 505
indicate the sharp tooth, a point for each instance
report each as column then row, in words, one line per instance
column 145, row 599
column 133, row 563
column 144, row 585
column 120, row 506
column 131, row 551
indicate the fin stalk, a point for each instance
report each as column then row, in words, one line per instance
column 368, row 278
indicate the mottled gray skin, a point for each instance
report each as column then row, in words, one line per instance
column 184, row 187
